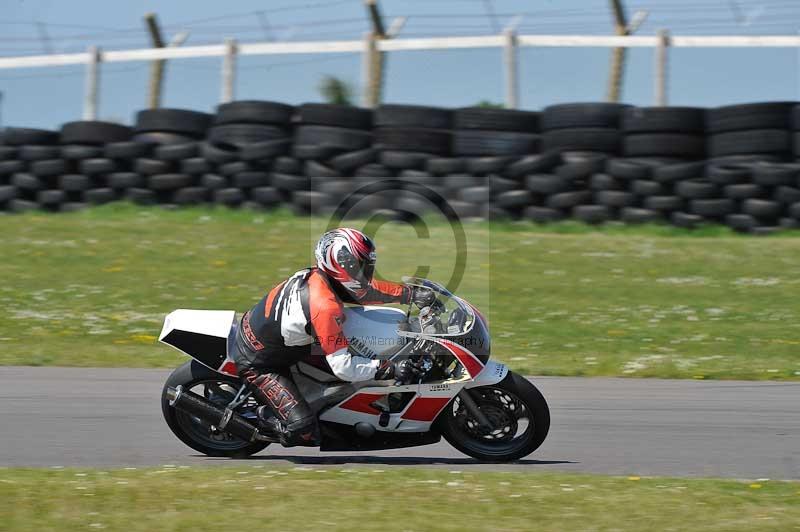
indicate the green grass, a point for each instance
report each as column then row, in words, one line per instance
column 260, row 498
column 92, row 288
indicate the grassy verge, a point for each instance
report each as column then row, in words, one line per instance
column 91, row 288
column 259, row 498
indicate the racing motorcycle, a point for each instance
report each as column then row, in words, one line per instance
column 478, row 405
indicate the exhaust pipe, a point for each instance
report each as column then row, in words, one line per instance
column 224, row 419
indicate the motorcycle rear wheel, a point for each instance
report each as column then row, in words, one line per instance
column 196, row 433
column 519, row 417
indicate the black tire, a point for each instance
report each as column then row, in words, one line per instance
column 414, row 139
column 665, row 144
column 345, row 116
column 163, row 137
column 712, row 208
column 498, row 185
column 77, row 152
column 195, row 166
column 8, row 153
column 187, row 375
column 496, row 119
column 12, row 167
column 775, row 174
column 141, row 196
column 741, row 222
column 39, row 153
column 546, row 184
column 235, row 167
column 177, row 152
column 568, row 200
column 543, row 215
column 403, row 160
column 49, row 168
column 762, row 209
column 151, row 166
column 218, row 154
column 168, row 181
column 686, row 220
column 124, row 180
column 642, row 187
column 266, row 196
column 214, row 182
column 786, row 195
column 240, row 135
column 775, row 141
column 744, row 191
column 73, row 206
column 310, row 200
column 25, row 181
column 181, row 121
column 99, row 196
column 253, row 112
column 664, row 120
column 728, row 174
column 633, row 215
column 533, row 164
column 627, row 169
column 479, row 194
column 615, row 198
column 287, row 165
column 488, row 142
column 697, row 189
column 20, row 136
column 488, row 165
column 191, row 196
column 514, row 199
column 452, row 423
column 373, row 170
column 581, row 169
column 445, row 165
column 290, row 182
column 267, row 149
column 392, row 116
column 592, row 214
column 582, row 115
column 231, row 197
column 769, row 115
column 596, row 139
column 51, row 197
column 459, row 181
column 318, row 152
column 333, row 137
column 7, row 192
column 605, row 182
column 94, row 132
column 20, row 205
column 317, row 169
column 250, row 179
column 127, row 150
column 664, row 203
column 347, row 162
column 671, row 173
column 98, row 166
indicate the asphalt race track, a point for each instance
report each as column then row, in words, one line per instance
column 112, row 417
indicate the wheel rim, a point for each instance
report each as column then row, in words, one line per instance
column 511, row 422
column 219, row 393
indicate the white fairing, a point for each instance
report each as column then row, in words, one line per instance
column 372, row 330
column 492, row 373
column 206, row 322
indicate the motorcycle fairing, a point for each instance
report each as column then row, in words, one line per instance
column 201, row 334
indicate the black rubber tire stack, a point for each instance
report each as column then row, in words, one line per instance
column 754, row 129
column 233, row 167
column 21, row 148
column 333, row 143
column 492, row 142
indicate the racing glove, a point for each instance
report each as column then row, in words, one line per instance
column 404, row 371
column 425, row 297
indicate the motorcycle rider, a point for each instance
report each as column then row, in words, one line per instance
column 306, row 309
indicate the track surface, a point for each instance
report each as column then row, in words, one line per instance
column 112, row 417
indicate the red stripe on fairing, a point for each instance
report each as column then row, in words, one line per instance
column 425, row 408
column 361, row 402
column 467, row 359
column 228, row 368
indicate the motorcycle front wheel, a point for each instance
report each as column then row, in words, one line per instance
column 201, row 436
column 518, row 421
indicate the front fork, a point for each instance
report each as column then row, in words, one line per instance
column 473, row 409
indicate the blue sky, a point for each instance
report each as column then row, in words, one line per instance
column 706, row 77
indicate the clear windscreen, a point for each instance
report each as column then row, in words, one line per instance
column 456, row 318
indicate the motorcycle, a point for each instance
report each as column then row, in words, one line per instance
column 478, row 405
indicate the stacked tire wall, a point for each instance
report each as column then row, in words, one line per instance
column 594, row 162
